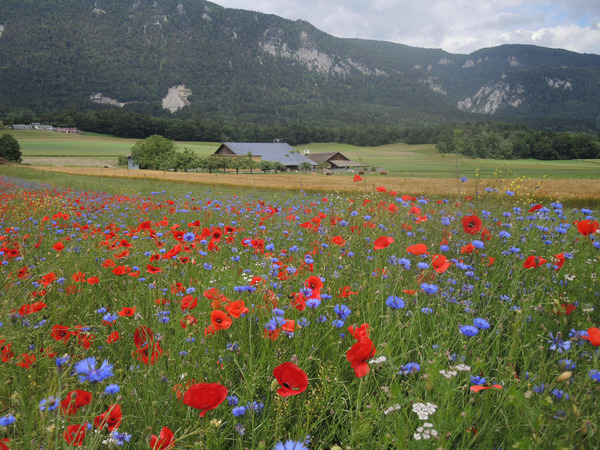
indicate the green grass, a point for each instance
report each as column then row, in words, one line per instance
column 398, row 159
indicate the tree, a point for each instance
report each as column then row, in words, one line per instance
column 10, row 148
column 153, row 152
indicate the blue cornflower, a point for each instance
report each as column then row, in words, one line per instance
column 429, row 288
column 112, row 389
column 87, row 371
column 469, row 330
column 559, row 394
column 189, row 236
column 478, row 244
column 120, row 438
column 49, row 404
column 464, row 179
column 427, row 310
column 478, row 380
column 595, row 375
column 342, row 311
column 338, row 323
column 238, row 411
column 557, row 344
column 7, row 420
column 411, row 367
column 313, row 302
column 395, row 302
column 290, row 445
column 480, row 323
column 232, row 400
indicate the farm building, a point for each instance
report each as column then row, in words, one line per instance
column 272, row 151
column 335, row 161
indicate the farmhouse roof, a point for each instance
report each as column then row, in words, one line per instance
column 336, row 159
column 271, row 151
column 327, row 156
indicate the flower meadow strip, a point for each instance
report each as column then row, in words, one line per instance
column 306, row 321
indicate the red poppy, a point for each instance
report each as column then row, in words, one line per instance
column 78, row 277
column 469, row 248
column 314, row 283
column 220, row 320
column 3, row 443
column 164, row 441
column 535, row 208
column 75, row 400
column 205, row 396
column 212, row 294
column 471, row 224
column 237, row 308
column 188, row 321
column 593, row 336
column 559, row 261
column 383, row 242
column 345, row 292
column 189, row 302
column 381, row 189
column 357, row 178
column 75, row 434
column 93, row 280
column 478, row 388
column 292, row 379
column 152, row 269
column 113, row 337
column 587, row 227
column 289, row 326
column 417, row 249
column 358, row 355
column 111, row 418
column 60, row 333
column 26, row 360
column 126, row 312
column 533, row 261
column 568, row 307
column 48, row 278
column 440, row 263
column 59, row 246
column 359, row 332
column 338, row 240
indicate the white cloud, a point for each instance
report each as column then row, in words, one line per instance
column 459, row 26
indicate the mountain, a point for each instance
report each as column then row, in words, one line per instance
column 194, row 57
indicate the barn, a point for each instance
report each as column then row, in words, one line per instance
column 270, row 151
column 335, row 161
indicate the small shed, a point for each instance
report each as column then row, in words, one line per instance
column 335, row 161
column 131, row 164
column 270, row 151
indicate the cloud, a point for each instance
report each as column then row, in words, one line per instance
column 459, row 26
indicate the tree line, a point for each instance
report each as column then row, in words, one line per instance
column 509, row 141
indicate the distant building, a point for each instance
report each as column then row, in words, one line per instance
column 131, row 164
column 272, row 151
column 21, row 127
column 335, row 161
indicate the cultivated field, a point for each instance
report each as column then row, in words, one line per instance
column 407, row 161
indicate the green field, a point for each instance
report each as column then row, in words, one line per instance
column 398, row 159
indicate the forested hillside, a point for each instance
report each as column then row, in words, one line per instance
column 195, row 58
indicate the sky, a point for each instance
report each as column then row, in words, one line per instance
column 457, row 26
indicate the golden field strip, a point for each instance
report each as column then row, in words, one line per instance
column 546, row 189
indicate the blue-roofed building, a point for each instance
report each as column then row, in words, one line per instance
column 271, row 151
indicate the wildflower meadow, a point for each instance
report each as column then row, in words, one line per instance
column 296, row 320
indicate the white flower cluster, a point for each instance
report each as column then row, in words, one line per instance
column 425, row 432
column 462, row 368
column 449, row 373
column 424, row 410
column 378, row 360
column 392, row 408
